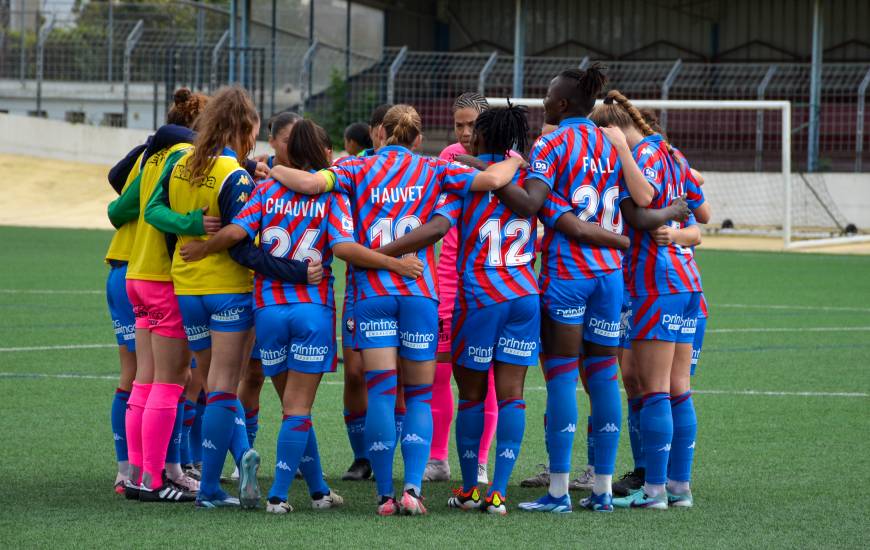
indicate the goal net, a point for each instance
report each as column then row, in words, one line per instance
column 743, row 148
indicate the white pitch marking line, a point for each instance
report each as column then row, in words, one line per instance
column 51, row 348
column 800, row 308
column 789, row 329
column 46, row 291
column 532, row 388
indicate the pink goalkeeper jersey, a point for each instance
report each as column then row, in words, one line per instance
column 448, row 278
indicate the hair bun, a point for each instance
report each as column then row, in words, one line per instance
column 182, row 95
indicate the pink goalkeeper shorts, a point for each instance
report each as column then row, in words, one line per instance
column 156, row 307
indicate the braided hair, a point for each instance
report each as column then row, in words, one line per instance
column 587, row 85
column 471, row 100
column 618, row 111
column 503, row 129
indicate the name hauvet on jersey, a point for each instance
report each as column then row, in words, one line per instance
column 396, row 194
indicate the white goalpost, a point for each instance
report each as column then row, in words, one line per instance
column 818, row 222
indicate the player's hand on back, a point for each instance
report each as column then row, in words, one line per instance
column 662, row 236
column 315, row 272
column 615, row 136
column 194, row 250
column 680, row 209
column 262, row 170
column 211, row 224
column 410, row 266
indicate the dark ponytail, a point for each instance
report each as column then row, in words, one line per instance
column 588, row 85
column 503, row 129
column 186, row 106
column 305, row 147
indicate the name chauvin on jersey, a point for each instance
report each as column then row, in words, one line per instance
column 597, row 165
column 295, row 208
column 396, row 194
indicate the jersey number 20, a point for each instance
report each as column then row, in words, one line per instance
column 610, row 218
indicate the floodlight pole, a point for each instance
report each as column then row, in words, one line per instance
column 519, row 47
column 815, row 89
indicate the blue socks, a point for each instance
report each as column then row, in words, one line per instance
column 173, row 451
column 657, row 430
column 561, row 374
column 252, row 424
column 356, row 433
column 400, row 422
column 416, row 434
column 292, row 441
column 590, row 442
column 634, row 406
column 239, row 443
column 509, row 435
column 606, row 402
column 119, row 426
column 196, row 430
column 218, row 423
column 187, row 424
column 312, row 470
column 469, row 430
column 380, row 427
column 685, row 431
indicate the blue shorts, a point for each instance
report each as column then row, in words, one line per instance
column 220, row 312
column 625, row 321
column 593, row 303
column 120, row 308
column 409, row 323
column 297, row 337
column 667, row 317
column 698, row 342
column 348, row 323
column 255, row 351
column 508, row 332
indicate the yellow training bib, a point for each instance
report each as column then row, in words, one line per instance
column 149, row 258
column 122, row 240
column 216, row 273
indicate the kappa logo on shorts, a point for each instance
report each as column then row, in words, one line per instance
column 469, row 454
column 610, row 427
column 570, row 428
column 117, row 437
column 282, row 466
column 305, row 459
column 207, row 444
column 665, row 449
column 509, row 454
column 239, row 421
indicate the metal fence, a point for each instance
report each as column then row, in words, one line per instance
column 186, row 43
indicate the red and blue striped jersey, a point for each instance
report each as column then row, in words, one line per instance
column 496, row 253
column 299, row 227
column 653, row 270
column 694, row 193
column 583, row 171
column 392, row 193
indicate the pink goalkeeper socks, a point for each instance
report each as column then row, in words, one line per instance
column 133, row 427
column 490, row 420
column 158, row 421
column 442, row 411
